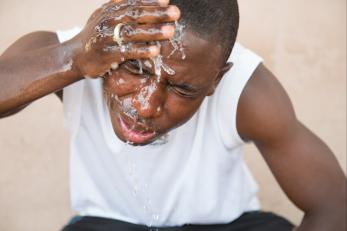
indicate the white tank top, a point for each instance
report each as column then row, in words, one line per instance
column 197, row 177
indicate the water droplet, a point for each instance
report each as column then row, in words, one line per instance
column 123, row 48
column 147, row 64
column 168, row 69
column 177, row 41
column 161, row 140
column 129, row 142
column 67, row 66
column 157, row 65
column 155, row 217
column 114, row 66
column 140, row 67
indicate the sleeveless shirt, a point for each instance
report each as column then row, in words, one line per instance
column 198, row 176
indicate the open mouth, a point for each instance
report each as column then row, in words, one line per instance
column 134, row 135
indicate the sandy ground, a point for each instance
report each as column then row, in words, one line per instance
column 302, row 42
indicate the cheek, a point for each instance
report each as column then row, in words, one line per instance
column 123, row 84
column 179, row 110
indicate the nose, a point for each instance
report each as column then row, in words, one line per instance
column 149, row 100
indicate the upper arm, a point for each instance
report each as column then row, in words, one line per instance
column 264, row 103
column 33, row 41
column 303, row 165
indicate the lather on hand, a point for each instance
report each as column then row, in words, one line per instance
column 47, row 66
column 143, row 22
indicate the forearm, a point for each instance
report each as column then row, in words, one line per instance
column 27, row 76
column 304, row 166
column 311, row 176
column 326, row 221
column 50, row 66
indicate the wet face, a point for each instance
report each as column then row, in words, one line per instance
column 144, row 106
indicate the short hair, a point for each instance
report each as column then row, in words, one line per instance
column 216, row 20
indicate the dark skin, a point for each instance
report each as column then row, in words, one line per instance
column 171, row 100
column 304, row 166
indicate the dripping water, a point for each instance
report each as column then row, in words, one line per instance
column 177, row 41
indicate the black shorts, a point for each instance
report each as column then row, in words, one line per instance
column 253, row 221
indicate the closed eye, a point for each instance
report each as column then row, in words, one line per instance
column 134, row 67
column 184, row 90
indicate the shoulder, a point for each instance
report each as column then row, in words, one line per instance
column 265, row 112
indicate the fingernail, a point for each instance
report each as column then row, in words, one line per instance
column 168, row 31
column 174, row 12
column 163, row 2
column 153, row 51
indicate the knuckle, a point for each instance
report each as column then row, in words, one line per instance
column 103, row 20
column 128, row 31
column 104, row 24
column 133, row 2
column 134, row 12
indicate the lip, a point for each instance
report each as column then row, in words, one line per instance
column 135, row 136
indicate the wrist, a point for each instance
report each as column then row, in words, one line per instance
column 71, row 50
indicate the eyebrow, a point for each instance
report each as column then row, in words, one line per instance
column 185, row 86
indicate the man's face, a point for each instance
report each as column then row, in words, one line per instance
column 143, row 106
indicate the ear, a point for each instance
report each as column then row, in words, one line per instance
column 219, row 76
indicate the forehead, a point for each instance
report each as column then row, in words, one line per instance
column 202, row 58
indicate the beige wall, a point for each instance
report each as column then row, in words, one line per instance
column 303, row 42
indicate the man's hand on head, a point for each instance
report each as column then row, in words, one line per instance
column 140, row 23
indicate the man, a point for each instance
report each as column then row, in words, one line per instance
column 185, row 107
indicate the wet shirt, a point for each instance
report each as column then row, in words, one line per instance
column 195, row 175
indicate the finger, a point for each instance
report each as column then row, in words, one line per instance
column 142, row 15
column 137, row 51
column 142, row 33
column 153, row 2
column 117, row 5
column 118, row 1
column 142, row 2
column 150, row 14
column 130, row 51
